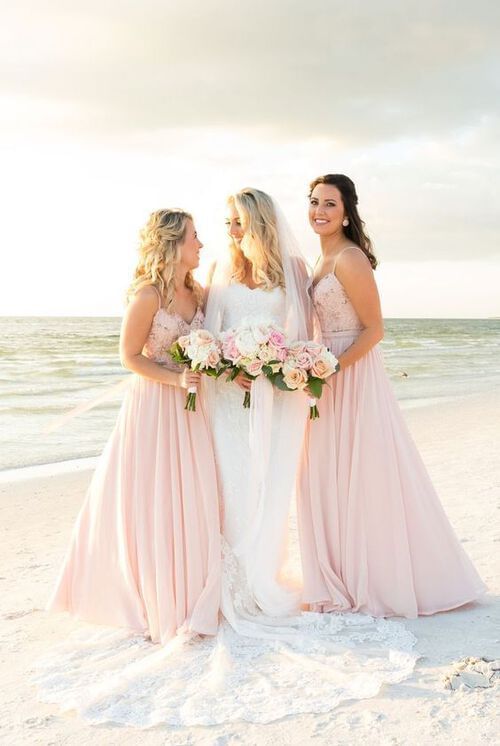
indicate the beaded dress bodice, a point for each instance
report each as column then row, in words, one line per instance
column 166, row 328
column 333, row 307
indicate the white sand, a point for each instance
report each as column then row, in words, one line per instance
column 459, row 443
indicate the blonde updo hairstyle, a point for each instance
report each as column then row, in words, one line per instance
column 159, row 255
column 261, row 244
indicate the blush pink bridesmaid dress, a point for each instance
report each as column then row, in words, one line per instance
column 145, row 552
column 374, row 536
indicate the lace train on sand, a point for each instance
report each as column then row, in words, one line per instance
column 325, row 659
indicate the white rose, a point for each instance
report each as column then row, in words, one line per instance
column 261, row 333
column 199, row 355
column 266, row 354
column 246, row 343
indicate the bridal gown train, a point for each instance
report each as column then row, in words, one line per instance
column 268, row 660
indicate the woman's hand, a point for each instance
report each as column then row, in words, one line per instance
column 189, row 378
column 243, row 382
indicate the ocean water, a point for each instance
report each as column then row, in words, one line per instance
column 50, row 365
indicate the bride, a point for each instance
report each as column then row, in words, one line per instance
column 257, row 450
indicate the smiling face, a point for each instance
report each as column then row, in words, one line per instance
column 190, row 248
column 326, row 210
column 233, row 224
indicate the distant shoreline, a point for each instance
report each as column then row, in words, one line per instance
column 37, row 471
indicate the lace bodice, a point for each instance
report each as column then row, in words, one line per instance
column 333, row 307
column 242, row 302
column 166, row 328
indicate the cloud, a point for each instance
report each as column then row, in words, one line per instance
column 123, row 106
column 352, row 71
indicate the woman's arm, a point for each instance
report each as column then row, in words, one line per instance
column 356, row 275
column 134, row 333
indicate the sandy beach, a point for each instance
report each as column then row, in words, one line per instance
column 459, row 443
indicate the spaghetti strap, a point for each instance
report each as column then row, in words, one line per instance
column 340, row 254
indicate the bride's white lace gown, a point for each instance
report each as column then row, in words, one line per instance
column 268, row 660
column 256, row 506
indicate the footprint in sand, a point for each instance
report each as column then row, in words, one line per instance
column 18, row 614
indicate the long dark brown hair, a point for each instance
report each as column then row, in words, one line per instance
column 355, row 231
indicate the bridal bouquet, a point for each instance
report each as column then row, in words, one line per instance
column 253, row 349
column 200, row 351
column 307, row 365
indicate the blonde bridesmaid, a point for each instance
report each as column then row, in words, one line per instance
column 374, row 536
column 145, row 552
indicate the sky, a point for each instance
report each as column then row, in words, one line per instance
column 111, row 109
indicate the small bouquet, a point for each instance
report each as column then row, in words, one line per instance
column 200, row 351
column 307, row 365
column 253, row 349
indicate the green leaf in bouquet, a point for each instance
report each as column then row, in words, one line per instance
column 278, row 381
column 177, row 354
column 232, row 375
column 315, row 386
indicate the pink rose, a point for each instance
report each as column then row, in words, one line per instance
column 277, row 338
column 313, row 349
column 213, row 359
column 183, row 341
column 304, row 360
column 230, row 351
column 254, row 368
column 203, row 337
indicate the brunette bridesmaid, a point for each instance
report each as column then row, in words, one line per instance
column 145, row 552
column 374, row 536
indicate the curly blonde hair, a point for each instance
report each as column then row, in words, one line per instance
column 159, row 254
column 259, row 221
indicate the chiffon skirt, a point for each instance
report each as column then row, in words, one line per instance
column 145, row 552
column 374, row 536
